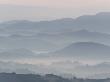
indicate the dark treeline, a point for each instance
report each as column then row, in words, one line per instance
column 13, row 77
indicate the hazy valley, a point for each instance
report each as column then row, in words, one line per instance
column 68, row 47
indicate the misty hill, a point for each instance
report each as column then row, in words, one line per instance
column 17, row 54
column 86, row 35
column 98, row 76
column 18, row 24
column 47, row 41
column 54, row 26
column 65, row 30
column 98, row 22
column 16, row 41
column 85, row 50
column 12, row 77
column 100, row 70
column 66, row 69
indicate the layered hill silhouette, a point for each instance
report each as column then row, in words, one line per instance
column 98, row 22
column 84, row 50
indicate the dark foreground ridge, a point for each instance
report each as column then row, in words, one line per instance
column 13, row 77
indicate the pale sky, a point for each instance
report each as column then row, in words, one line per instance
column 65, row 8
column 61, row 3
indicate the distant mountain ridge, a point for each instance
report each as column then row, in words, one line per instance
column 98, row 22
